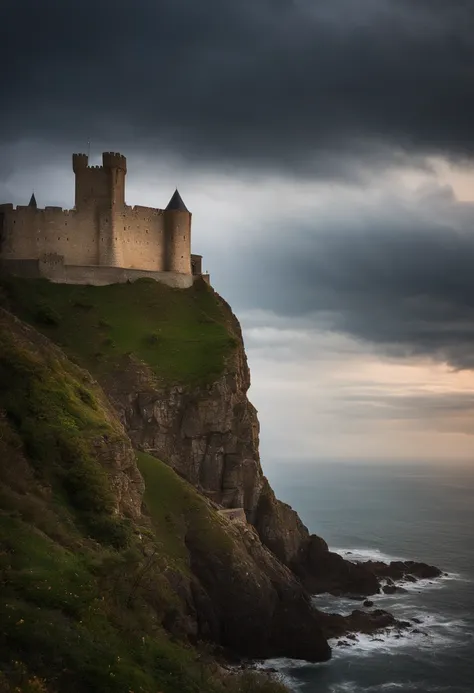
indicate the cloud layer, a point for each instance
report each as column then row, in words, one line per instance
column 318, row 88
column 394, row 269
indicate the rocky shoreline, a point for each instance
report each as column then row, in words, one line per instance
column 390, row 578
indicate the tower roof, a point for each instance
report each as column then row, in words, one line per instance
column 176, row 203
column 32, row 202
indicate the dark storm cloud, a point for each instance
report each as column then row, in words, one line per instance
column 399, row 276
column 295, row 84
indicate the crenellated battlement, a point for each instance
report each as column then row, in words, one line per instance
column 79, row 162
column 114, row 160
column 49, row 209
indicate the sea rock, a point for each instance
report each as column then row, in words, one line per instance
column 251, row 603
column 337, row 625
column 402, row 570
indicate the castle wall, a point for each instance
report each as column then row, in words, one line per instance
column 52, row 268
column 30, row 233
column 142, row 231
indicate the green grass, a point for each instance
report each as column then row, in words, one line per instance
column 174, row 505
column 59, row 622
column 181, row 334
column 43, row 397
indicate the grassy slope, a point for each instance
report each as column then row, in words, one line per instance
column 78, row 612
column 181, row 334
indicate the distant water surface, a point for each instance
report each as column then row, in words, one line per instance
column 388, row 511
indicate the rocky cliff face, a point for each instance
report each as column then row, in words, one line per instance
column 209, row 434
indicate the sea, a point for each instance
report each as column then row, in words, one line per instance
column 391, row 511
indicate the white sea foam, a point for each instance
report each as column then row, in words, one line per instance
column 393, row 687
column 285, row 663
column 366, row 554
column 353, row 687
column 433, row 632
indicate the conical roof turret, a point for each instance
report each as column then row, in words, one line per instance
column 32, row 202
column 176, row 203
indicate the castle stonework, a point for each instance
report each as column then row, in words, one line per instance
column 102, row 240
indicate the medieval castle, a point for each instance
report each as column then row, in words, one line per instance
column 102, row 240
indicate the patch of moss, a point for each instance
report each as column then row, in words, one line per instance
column 182, row 334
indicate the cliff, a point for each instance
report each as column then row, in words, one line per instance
column 126, row 427
column 111, row 576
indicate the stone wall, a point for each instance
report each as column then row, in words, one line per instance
column 142, row 231
column 234, row 514
column 30, row 233
column 131, row 237
column 51, row 267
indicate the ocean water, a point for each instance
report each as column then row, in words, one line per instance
column 389, row 511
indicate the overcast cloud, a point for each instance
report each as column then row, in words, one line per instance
column 316, row 87
column 307, row 138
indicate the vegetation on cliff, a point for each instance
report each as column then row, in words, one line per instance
column 182, row 334
column 90, row 587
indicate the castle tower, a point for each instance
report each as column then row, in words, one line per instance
column 100, row 193
column 114, row 166
column 178, row 236
column 80, row 164
column 99, row 186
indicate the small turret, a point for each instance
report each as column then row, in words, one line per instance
column 178, row 236
column 176, row 203
column 32, row 202
column 79, row 162
column 114, row 160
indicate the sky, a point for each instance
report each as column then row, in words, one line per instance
column 326, row 152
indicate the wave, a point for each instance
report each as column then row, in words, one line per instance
column 394, row 687
column 366, row 554
column 432, row 632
